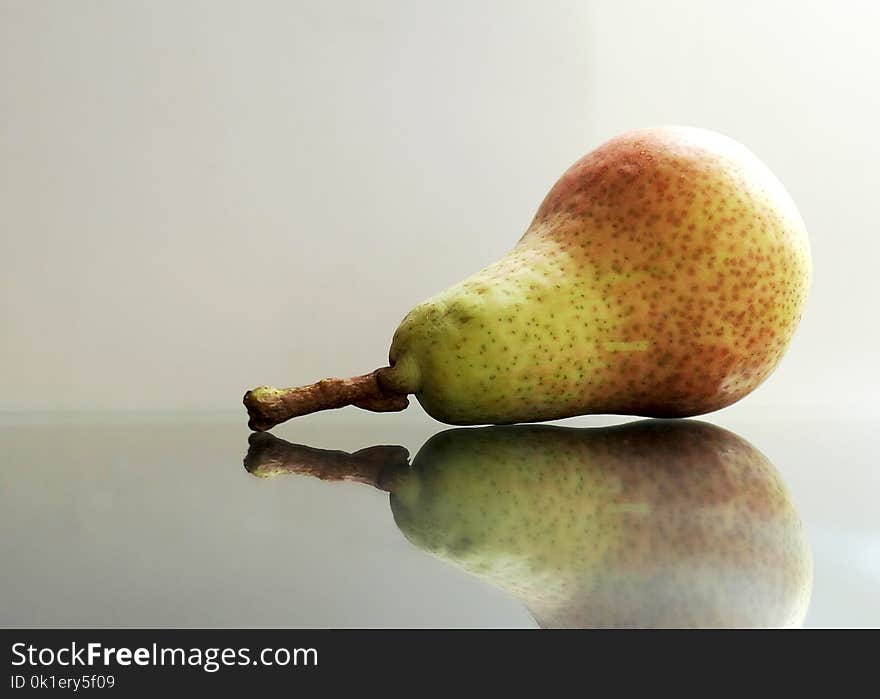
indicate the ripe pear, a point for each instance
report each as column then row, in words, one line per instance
column 651, row 524
column 663, row 275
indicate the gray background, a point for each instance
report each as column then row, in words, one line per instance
column 199, row 197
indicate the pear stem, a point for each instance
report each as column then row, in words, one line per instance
column 269, row 456
column 268, row 406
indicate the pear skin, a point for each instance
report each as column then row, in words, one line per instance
column 663, row 275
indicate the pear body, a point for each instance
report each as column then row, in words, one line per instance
column 663, row 275
column 650, row 524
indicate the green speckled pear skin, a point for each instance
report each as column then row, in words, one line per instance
column 663, row 275
column 650, row 524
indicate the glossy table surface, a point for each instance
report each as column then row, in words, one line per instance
column 130, row 520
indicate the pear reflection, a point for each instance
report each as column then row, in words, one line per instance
column 649, row 524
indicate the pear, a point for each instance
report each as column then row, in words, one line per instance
column 663, row 275
column 657, row 523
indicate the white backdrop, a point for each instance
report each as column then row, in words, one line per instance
column 198, row 197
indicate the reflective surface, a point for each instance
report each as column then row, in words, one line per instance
column 152, row 520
